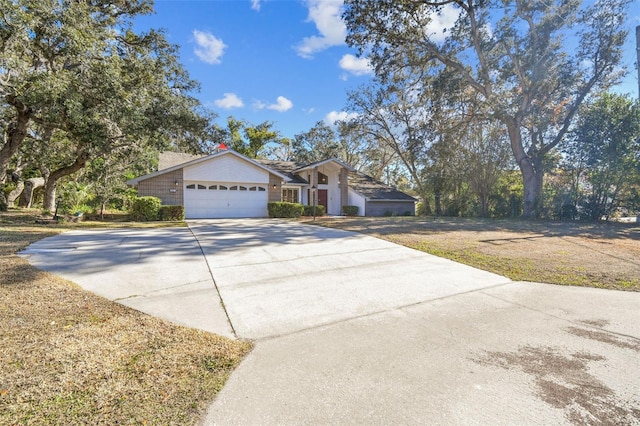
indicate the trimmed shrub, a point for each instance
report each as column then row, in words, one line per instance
column 350, row 210
column 320, row 210
column 144, row 209
column 284, row 209
column 171, row 213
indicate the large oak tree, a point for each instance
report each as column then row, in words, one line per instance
column 80, row 84
column 530, row 63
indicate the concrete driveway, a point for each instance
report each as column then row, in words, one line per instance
column 351, row 329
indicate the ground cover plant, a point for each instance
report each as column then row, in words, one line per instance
column 605, row 255
column 71, row 357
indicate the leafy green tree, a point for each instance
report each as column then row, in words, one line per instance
column 247, row 139
column 529, row 64
column 318, row 143
column 605, row 149
column 46, row 45
column 77, row 72
column 400, row 116
column 486, row 158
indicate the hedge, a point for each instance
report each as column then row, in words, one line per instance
column 283, row 209
column 350, row 210
column 171, row 213
column 144, row 209
column 319, row 211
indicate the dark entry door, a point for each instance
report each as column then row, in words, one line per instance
column 322, row 199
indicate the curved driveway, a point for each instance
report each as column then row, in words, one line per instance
column 352, row 329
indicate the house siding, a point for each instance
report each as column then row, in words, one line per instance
column 383, row 208
column 227, row 168
column 356, row 199
column 164, row 187
column 275, row 194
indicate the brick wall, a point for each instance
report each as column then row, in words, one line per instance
column 344, row 188
column 165, row 188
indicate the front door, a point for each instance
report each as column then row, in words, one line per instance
column 322, row 199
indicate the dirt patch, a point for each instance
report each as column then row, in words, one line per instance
column 597, row 255
column 564, row 382
column 624, row 342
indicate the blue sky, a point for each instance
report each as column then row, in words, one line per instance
column 283, row 61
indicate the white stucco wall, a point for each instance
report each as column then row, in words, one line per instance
column 226, row 168
column 356, row 199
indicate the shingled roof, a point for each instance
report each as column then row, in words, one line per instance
column 374, row 190
column 168, row 159
column 286, row 168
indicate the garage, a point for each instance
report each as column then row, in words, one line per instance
column 206, row 200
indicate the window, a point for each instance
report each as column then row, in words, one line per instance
column 233, row 188
column 192, row 186
column 201, row 186
column 222, row 188
column 214, row 187
column 261, row 188
column 253, row 188
column 290, row 195
column 242, row 188
column 322, row 179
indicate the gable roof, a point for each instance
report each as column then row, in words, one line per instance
column 320, row 163
column 198, row 160
column 374, row 190
column 286, row 168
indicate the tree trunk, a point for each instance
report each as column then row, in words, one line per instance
column 531, row 175
column 484, row 204
column 15, row 193
column 30, row 185
column 438, row 199
column 56, row 175
column 16, row 133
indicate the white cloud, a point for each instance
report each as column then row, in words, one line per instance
column 209, row 48
column 255, row 5
column 355, row 65
column 282, row 104
column 327, row 15
column 230, row 100
column 334, row 116
column 442, row 22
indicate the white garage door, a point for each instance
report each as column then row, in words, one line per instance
column 206, row 200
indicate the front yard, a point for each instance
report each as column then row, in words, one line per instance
column 70, row 357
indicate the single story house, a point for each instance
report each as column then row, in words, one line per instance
column 227, row 184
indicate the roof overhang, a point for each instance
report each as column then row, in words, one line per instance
column 323, row 162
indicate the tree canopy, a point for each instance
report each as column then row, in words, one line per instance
column 527, row 64
column 79, row 82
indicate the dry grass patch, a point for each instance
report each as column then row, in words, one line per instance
column 70, row 357
column 586, row 254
